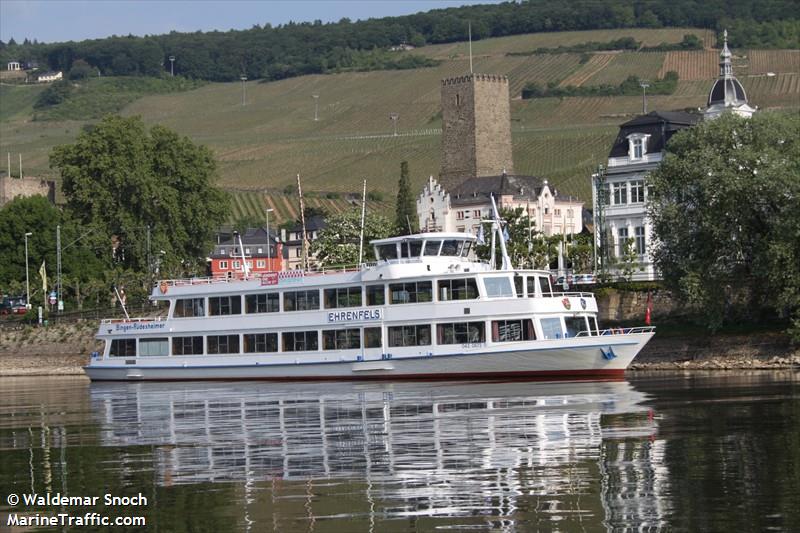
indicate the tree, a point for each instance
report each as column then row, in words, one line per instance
column 526, row 246
column 724, row 207
column 406, row 211
column 139, row 188
column 338, row 243
column 629, row 261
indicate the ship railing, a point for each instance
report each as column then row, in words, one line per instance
column 616, row 331
column 132, row 319
column 569, row 294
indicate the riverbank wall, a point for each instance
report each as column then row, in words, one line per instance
column 65, row 348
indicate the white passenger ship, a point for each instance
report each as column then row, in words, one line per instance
column 425, row 309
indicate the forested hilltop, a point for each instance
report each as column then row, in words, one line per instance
column 294, row 49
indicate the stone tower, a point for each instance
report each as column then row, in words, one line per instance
column 476, row 127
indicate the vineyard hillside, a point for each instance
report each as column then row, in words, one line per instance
column 261, row 146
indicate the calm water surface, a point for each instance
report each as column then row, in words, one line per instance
column 698, row 452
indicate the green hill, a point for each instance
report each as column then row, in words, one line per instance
column 262, row 145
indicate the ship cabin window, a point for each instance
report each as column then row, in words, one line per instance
column 457, row 289
column 410, row 335
column 219, row 344
column 341, row 339
column 187, row 345
column 123, row 348
column 224, row 305
column 518, row 286
column 551, row 328
column 189, row 307
column 373, row 338
column 432, row 247
column 575, row 324
column 451, row 248
column 261, row 343
column 300, row 300
column 154, row 347
column 265, row 302
column 544, row 286
column 531, row 286
column 343, row 297
column 386, row 251
column 300, row 341
column 376, row 295
column 410, row 293
column 498, row 287
column 513, row 330
column 466, row 249
column 411, row 248
column 460, row 333
column 593, row 322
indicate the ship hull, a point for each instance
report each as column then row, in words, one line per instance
column 585, row 357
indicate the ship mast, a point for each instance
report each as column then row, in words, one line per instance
column 304, row 244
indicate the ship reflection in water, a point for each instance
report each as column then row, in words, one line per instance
column 496, row 455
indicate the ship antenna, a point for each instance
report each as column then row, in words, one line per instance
column 303, row 223
column 363, row 215
column 497, row 227
column 245, row 270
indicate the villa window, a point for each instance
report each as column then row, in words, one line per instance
column 476, row 213
column 622, row 241
column 261, row 263
column 637, row 192
column 261, row 343
column 620, row 191
column 459, row 215
column 640, row 240
column 223, row 265
column 638, row 149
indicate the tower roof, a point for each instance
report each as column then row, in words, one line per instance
column 726, row 91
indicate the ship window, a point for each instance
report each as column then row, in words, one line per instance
column 451, row 248
column 300, row 341
column 410, row 336
column 518, row 286
column 341, row 339
column 155, row 347
column 544, row 286
column 531, row 286
column 261, row 343
column 187, row 345
column 224, row 305
column 460, row 333
column 376, row 295
column 575, row 324
column 223, row 344
column 467, row 247
column 432, row 247
column 513, row 330
column 189, row 307
column 594, row 323
column 498, row 287
column 300, row 300
column 373, row 338
column 415, row 248
column 387, row 251
column 409, row 293
column 266, row 302
column 458, row 289
column 123, row 348
column 551, row 328
column 343, row 297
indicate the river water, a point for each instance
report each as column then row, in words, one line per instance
column 700, row 452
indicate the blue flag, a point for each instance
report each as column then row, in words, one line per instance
column 506, row 236
column 481, row 240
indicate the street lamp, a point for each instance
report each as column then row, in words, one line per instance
column 244, row 90
column 644, row 85
column 269, row 240
column 393, row 117
column 27, row 278
column 316, row 107
column 172, row 65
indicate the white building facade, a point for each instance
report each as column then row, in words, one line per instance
column 463, row 207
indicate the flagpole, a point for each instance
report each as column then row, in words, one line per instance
column 363, row 215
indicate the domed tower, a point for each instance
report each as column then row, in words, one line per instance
column 727, row 94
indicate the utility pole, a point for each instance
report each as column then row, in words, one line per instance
column 269, row 242
column 316, row 107
column 27, row 277
column 393, row 117
column 20, row 166
column 58, row 269
column 600, row 219
column 244, row 89
column 172, row 66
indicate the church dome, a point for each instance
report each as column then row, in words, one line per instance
column 727, row 91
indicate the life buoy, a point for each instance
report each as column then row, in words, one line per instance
column 163, row 287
